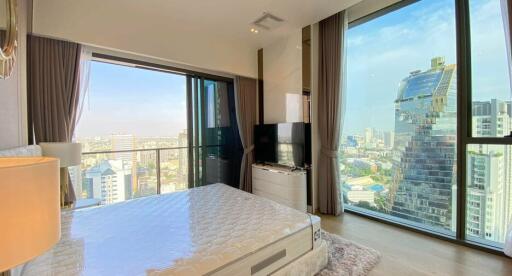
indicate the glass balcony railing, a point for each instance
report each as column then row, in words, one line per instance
column 114, row 176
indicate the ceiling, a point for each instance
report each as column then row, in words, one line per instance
column 215, row 23
column 226, row 18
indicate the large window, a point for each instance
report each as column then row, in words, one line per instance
column 489, row 167
column 147, row 131
column 398, row 154
column 133, row 121
column 407, row 149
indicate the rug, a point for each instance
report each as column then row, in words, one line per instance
column 348, row 258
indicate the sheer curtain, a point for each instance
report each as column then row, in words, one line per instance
column 506, row 11
column 85, row 73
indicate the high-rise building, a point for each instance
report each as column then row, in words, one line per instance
column 126, row 142
column 485, row 212
column 489, row 173
column 182, row 161
column 424, row 153
column 389, row 139
column 368, row 136
column 491, row 118
column 107, row 181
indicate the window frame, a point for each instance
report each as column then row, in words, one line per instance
column 464, row 129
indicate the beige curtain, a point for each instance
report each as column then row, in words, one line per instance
column 245, row 103
column 53, row 92
column 331, row 68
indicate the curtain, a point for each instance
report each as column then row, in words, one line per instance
column 331, row 79
column 506, row 11
column 245, row 103
column 85, row 73
column 53, row 93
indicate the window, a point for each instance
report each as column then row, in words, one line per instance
column 406, row 162
column 146, row 131
column 398, row 154
column 489, row 166
column 134, row 118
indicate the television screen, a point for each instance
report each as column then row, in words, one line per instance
column 284, row 144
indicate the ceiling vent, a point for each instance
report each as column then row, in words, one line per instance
column 268, row 21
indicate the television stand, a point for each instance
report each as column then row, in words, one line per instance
column 281, row 184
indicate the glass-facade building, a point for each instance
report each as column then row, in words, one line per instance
column 424, row 152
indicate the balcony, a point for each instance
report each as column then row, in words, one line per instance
column 135, row 173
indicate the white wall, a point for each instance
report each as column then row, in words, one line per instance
column 13, row 91
column 106, row 24
column 282, row 79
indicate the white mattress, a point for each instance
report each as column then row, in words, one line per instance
column 198, row 231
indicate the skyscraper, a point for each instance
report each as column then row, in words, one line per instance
column 491, row 118
column 486, row 213
column 389, row 139
column 489, row 173
column 182, row 161
column 424, row 154
column 126, row 142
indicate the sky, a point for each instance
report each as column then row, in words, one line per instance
column 383, row 51
column 136, row 101
column 380, row 53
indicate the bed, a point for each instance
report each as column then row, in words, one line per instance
column 210, row 230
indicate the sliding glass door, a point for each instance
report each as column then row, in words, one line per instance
column 428, row 112
column 217, row 148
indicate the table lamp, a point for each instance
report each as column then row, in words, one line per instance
column 69, row 154
column 29, row 208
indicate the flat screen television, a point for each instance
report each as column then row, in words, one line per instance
column 286, row 144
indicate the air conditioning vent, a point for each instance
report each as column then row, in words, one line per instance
column 268, row 21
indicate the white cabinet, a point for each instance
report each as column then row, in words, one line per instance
column 281, row 185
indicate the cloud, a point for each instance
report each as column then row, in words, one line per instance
column 383, row 51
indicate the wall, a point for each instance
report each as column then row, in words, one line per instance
column 315, row 132
column 282, row 76
column 127, row 29
column 13, row 91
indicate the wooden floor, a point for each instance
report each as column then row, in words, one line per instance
column 408, row 253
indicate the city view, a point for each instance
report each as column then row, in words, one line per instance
column 130, row 170
column 130, row 121
column 134, row 135
column 398, row 155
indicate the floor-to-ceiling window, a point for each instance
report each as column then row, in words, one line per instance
column 146, row 130
column 489, row 163
column 402, row 138
column 131, row 115
column 398, row 154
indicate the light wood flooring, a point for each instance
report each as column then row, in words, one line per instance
column 409, row 253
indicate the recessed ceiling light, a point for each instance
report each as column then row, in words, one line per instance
column 255, row 31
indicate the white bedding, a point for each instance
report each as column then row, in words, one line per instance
column 189, row 233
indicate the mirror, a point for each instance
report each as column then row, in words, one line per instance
column 8, row 37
